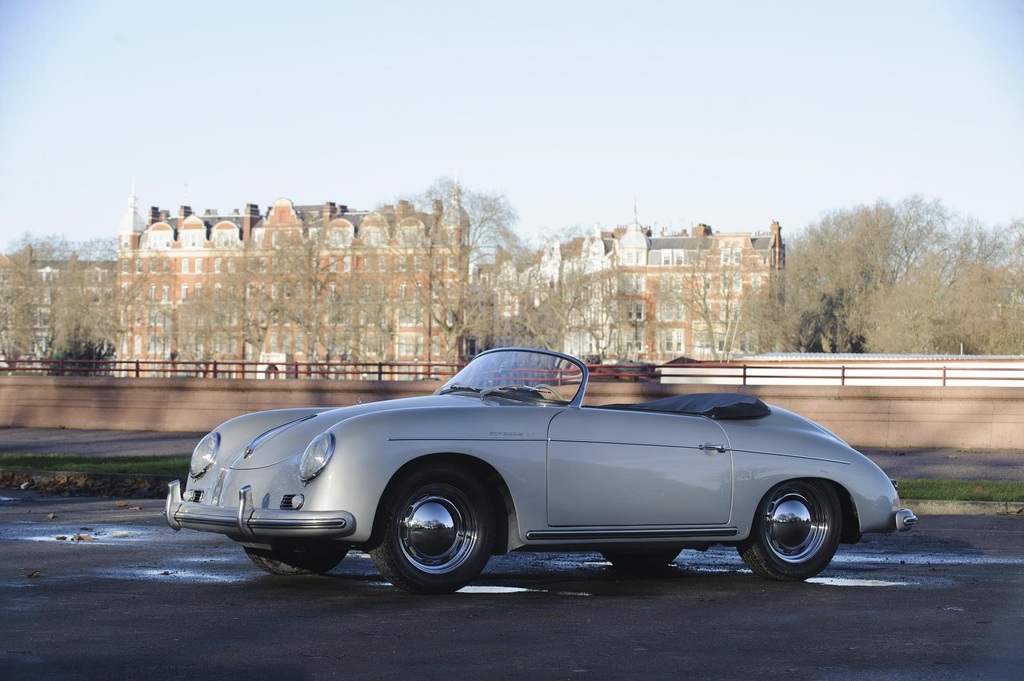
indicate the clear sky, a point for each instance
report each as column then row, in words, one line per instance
column 727, row 113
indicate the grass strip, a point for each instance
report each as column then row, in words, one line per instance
column 130, row 465
column 938, row 489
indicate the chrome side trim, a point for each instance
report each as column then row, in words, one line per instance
column 792, row 456
column 660, row 533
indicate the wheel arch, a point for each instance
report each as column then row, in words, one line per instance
column 851, row 532
column 502, row 505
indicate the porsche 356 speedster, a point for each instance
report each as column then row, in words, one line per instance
column 505, row 457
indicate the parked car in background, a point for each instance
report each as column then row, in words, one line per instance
column 505, row 457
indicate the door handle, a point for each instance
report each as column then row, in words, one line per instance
column 711, row 447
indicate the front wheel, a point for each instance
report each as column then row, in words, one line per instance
column 438, row 531
column 298, row 560
column 795, row 532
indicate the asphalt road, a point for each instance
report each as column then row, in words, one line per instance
column 90, row 589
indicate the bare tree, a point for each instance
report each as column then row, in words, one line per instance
column 908, row 278
column 57, row 304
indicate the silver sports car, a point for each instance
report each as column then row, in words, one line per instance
column 505, row 457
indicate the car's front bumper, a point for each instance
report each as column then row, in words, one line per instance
column 248, row 522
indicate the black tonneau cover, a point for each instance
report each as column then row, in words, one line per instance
column 719, row 406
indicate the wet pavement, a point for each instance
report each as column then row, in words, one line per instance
column 103, row 588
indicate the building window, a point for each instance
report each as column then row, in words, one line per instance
column 672, row 340
column 184, row 265
column 671, row 312
column 199, row 266
column 732, row 283
column 410, row 345
column 184, row 292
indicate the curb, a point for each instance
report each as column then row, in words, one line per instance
column 75, row 483
column 935, row 507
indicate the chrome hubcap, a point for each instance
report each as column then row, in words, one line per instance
column 437, row 532
column 794, row 526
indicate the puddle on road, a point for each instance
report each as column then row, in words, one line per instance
column 190, row 576
column 516, row 590
column 496, row 590
column 917, row 559
column 96, row 535
column 846, row 581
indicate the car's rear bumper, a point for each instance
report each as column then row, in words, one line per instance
column 905, row 519
column 248, row 522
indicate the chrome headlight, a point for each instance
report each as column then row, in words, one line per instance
column 204, row 454
column 316, row 456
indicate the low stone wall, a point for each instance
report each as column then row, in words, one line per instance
column 980, row 418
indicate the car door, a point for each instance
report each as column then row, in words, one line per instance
column 633, row 468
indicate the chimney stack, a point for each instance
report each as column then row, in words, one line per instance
column 250, row 217
column 404, row 209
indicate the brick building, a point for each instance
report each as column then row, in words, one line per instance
column 628, row 296
column 325, row 283
column 298, row 283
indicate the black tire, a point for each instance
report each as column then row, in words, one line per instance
column 437, row 533
column 296, row 560
column 795, row 532
column 640, row 561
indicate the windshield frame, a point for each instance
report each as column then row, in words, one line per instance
column 464, row 380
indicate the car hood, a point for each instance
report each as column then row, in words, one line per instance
column 267, row 438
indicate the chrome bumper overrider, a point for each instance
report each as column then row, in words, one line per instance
column 248, row 521
column 905, row 519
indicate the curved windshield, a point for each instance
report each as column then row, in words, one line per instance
column 522, row 376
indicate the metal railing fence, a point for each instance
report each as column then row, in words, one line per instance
column 951, row 373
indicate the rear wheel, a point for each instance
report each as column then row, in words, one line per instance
column 298, row 560
column 640, row 561
column 795, row 532
column 438, row 531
